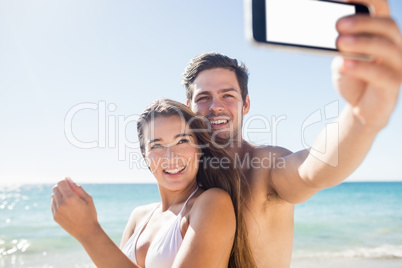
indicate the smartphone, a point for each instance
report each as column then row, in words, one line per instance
column 298, row 24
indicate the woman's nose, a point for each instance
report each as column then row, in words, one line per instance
column 170, row 152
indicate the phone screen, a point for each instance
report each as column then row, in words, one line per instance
column 304, row 22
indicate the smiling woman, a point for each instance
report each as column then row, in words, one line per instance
column 172, row 154
column 199, row 222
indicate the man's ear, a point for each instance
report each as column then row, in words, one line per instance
column 246, row 105
column 187, row 103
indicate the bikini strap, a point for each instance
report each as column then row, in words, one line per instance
column 185, row 203
column 149, row 217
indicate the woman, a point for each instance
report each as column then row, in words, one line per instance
column 199, row 222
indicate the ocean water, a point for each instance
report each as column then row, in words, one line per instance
column 349, row 221
column 352, row 220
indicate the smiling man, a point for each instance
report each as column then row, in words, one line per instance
column 216, row 87
column 215, row 93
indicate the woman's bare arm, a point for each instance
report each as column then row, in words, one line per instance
column 74, row 210
column 210, row 235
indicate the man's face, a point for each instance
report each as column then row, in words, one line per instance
column 217, row 96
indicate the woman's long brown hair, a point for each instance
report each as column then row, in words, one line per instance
column 227, row 177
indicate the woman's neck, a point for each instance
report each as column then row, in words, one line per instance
column 170, row 198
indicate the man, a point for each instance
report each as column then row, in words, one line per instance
column 216, row 85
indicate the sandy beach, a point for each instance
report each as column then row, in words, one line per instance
column 346, row 263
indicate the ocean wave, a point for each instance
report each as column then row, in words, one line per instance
column 15, row 246
column 381, row 252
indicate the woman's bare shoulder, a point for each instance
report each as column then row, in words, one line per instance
column 212, row 201
column 140, row 212
column 215, row 193
column 137, row 216
column 212, row 217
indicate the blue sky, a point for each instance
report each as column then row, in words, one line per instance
column 117, row 57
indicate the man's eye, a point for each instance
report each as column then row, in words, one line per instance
column 202, row 98
column 227, row 96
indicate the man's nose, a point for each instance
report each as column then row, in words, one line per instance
column 216, row 106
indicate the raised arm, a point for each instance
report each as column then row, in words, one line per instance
column 371, row 89
column 210, row 234
column 75, row 211
column 207, row 243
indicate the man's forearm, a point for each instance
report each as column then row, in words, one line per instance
column 339, row 154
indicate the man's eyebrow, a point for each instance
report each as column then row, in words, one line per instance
column 227, row 90
column 206, row 92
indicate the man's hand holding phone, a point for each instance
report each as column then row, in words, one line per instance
column 370, row 87
column 306, row 25
column 369, row 78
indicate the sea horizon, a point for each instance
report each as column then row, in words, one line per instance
column 6, row 183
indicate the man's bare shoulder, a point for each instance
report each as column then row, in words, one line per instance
column 258, row 161
column 268, row 156
column 264, row 151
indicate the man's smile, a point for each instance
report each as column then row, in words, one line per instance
column 218, row 122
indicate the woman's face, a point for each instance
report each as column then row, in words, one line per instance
column 171, row 152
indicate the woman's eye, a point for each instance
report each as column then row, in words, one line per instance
column 183, row 141
column 154, row 146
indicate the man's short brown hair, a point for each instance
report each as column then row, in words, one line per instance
column 210, row 61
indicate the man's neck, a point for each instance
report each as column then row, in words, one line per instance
column 238, row 147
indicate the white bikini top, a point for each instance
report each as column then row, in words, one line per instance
column 164, row 247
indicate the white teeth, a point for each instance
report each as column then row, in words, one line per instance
column 218, row 122
column 174, row 171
